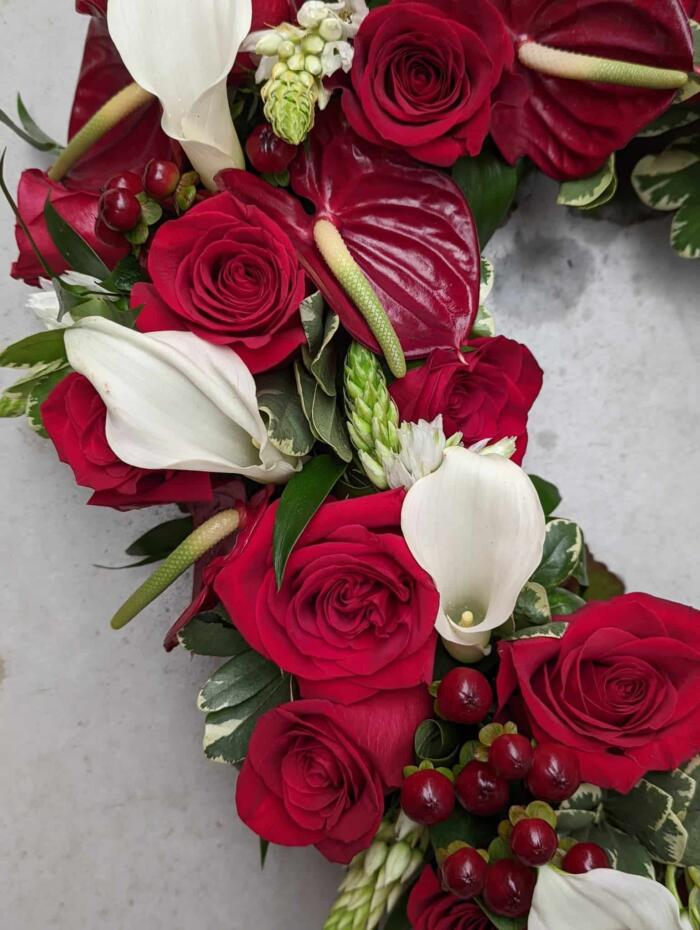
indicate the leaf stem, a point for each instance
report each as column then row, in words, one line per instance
column 578, row 67
column 204, row 538
column 124, row 103
column 357, row 286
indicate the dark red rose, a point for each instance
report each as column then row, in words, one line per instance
column 355, row 613
column 228, row 273
column 431, row 908
column 621, row 687
column 484, row 394
column 78, row 208
column 135, row 140
column 568, row 128
column 74, row 417
column 423, row 74
column 316, row 772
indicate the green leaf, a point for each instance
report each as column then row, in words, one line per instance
column 562, row 549
column 436, row 741
column 323, row 364
column 682, row 789
column 592, row 191
column 674, row 118
column 280, row 406
column 237, row 681
column 47, row 346
column 14, row 399
column 324, row 414
column 264, row 849
column 563, row 602
column 551, row 630
column 548, row 493
column 41, row 389
column 160, row 541
column 486, row 281
column 477, row 831
column 79, row 255
column 125, row 275
column 489, row 185
column 105, row 308
column 151, row 210
column 31, row 133
column 484, row 326
column 227, row 732
column 647, row 813
column 532, row 605
column 685, row 229
column 311, row 311
column 603, row 584
column 211, row 633
column 301, row 498
column 668, row 180
column 587, row 797
column 398, row 918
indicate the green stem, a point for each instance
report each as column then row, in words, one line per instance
column 357, row 286
column 670, row 882
column 114, row 111
column 578, row 67
column 204, row 538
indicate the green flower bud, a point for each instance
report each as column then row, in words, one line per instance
column 331, row 29
column 313, row 45
column 269, row 44
column 285, row 50
column 290, row 106
column 313, row 65
column 296, row 62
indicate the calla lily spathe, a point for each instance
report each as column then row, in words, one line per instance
column 603, row 899
column 175, row 401
column 182, row 52
column 477, row 527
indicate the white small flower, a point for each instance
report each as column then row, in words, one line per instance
column 505, row 447
column 421, row 449
column 45, row 303
column 336, row 55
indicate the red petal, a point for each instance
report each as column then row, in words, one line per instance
column 568, row 128
column 377, row 198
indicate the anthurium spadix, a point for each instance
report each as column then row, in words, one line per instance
column 175, row 401
column 477, row 527
column 603, row 899
column 182, row 52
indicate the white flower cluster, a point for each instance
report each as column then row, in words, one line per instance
column 320, row 43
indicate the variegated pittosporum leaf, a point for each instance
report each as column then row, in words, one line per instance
column 593, row 191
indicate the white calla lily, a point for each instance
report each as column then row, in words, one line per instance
column 477, row 527
column 182, row 52
column 603, row 899
column 176, row 401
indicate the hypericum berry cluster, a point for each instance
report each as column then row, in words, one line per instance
column 130, row 203
column 268, row 153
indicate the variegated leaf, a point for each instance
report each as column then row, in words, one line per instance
column 532, row 605
column 550, row 630
column 592, row 191
column 681, row 788
column 647, row 813
column 281, row 408
column 587, row 797
column 668, row 180
column 237, row 681
column 561, row 554
column 486, row 285
column 227, row 732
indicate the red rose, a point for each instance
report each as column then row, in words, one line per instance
column 423, row 74
column 484, row 394
column 692, row 8
column 229, row 274
column 431, row 908
column 78, row 208
column 355, row 613
column 621, row 687
column 316, row 772
column 74, row 417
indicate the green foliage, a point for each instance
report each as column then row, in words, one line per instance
column 211, row 633
column 37, row 349
column 301, row 498
column 436, row 741
column 281, row 408
column 79, row 255
column 29, row 131
column 463, row 826
column 590, row 192
column 548, row 493
column 489, row 185
column 563, row 546
column 157, row 543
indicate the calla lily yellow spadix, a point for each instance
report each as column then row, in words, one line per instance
column 175, row 401
column 182, row 52
column 603, row 899
column 477, row 527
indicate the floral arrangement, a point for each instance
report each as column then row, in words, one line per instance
column 261, row 296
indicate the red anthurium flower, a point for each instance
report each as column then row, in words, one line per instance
column 407, row 226
column 135, row 140
column 568, row 128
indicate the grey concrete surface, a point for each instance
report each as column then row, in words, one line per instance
column 110, row 815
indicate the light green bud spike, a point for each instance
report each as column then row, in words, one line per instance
column 204, row 538
column 373, row 419
column 290, row 102
column 357, row 286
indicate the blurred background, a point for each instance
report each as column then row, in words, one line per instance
column 111, row 815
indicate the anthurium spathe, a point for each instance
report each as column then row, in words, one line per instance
column 477, row 527
column 183, row 52
column 175, row 401
column 604, row 899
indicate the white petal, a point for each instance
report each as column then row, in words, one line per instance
column 182, row 51
column 45, row 303
column 176, row 401
column 477, row 527
column 603, row 899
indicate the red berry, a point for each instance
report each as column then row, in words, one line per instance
column 481, row 790
column 161, row 178
column 108, row 236
column 509, row 888
column 533, row 841
column 428, row 797
column 119, row 209
column 555, row 773
column 127, row 181
column 464, row 696
column 464, row 873
column 511, row 756
column 267, row 152
column 583, row 857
